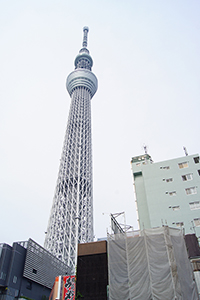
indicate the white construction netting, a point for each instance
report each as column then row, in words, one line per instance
column 152, row 264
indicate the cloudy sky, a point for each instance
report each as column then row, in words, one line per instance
column 146, row 59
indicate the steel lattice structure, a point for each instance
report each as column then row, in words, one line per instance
column 71, row 218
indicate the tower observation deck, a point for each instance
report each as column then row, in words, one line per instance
column 71, row 217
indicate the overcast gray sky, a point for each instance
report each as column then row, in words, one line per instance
column 146, row 59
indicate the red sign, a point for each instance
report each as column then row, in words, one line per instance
column 69, row 287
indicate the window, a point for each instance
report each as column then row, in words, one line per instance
column 196, row 159
column 198, row 172
column 34, row 271
column 177, row 207
column 166, row 168
column 29, row 285
column 172, row 193
column 17, row 294
column 138, row 164
column 169, row 179
column 190, row 191
column 14, row 279
column 3, row 275
column 194, row 205
column 179, row 224
column 183, row 165
column 187, row 177
column 197, row 222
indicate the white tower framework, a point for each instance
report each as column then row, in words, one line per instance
column 71, row 218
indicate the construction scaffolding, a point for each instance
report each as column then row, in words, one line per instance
column 151, row 264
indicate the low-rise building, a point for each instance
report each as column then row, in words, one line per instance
column 28, row 270
column 92, row 271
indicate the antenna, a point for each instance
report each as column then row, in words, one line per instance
column 185, row 150
column 85, row 33
column 145, row 149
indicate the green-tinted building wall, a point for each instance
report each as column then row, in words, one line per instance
column 168, row 192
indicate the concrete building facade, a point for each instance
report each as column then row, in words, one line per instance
column 167, row 192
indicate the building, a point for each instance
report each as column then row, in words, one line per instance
column 150, row 264
column 71, row 218
column 168, row 192
column 28, row 270
column 193, row 250
column 92, row 271
column 147, row 264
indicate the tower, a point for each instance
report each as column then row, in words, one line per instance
column 71, row 218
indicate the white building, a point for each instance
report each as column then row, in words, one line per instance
column 168, row 192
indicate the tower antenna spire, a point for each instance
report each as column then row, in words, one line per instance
column 85, row 33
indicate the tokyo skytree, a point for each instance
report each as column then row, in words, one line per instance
column 71, row 218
